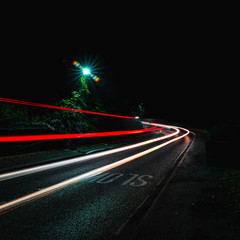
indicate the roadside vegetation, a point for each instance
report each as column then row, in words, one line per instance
column 230, row 179
column 19, row 118
column 222, row 152
column 222, row 146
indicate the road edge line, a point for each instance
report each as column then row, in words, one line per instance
column 148, row 205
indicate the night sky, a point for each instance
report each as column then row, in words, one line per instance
column 180, row 70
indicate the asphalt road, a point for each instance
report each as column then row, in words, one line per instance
column 94, row 208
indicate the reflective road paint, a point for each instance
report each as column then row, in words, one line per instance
column 130, row 179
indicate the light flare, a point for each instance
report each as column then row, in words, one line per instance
column 86, row 71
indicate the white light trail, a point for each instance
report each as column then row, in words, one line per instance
column 23, row 172
column 48, row 190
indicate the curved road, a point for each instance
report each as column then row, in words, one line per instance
column 88, row 198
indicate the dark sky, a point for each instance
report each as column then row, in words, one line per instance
column 181, row 69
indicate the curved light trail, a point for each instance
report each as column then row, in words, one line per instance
column 40, row 137
column 48, row 190
column 23, row 172
column 11, row 205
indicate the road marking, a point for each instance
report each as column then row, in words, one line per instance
column 122, row 227
column 130, row 179
column 110, row 178
column 141, row 204
column 96, row 177
column 143, row 181
column 135, row 180
column 51, row 189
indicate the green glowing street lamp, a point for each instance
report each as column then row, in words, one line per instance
column 86, row 71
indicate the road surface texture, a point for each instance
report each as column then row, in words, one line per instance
column 128, row 202
column 96, row 208
column 192, row 206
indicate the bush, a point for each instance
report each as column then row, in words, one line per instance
column 223, row 144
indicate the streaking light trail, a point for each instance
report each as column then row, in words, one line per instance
column 23, row 172
column 23, row 138
column 4, row 208
column 41, row 137
column 61, row 108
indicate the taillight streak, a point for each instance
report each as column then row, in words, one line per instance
column 61, row 108
column 24, row 138
column 23, row 172
column 6, row 207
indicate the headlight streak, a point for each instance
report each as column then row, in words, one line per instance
column 23, row 172
column 4, row 208
column 46, row 191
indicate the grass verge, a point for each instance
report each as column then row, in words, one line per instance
column 230, row 179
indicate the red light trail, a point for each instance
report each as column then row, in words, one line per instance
column 23, row 138
column 6, row 207
column 61, row 108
